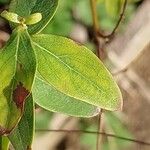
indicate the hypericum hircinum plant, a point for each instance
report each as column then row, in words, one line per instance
column 52, row 71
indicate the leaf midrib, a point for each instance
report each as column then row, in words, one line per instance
column 68, row 66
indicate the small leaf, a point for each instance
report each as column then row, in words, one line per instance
column 13, row 17
column 17, row 69
column 21, row 137
column 33, row 19
column 25, row 8
column 51, row 99
column 75, row 71
column 4, row 143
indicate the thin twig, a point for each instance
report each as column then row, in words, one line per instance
column 99, row 52
column 95, row 132
column 117, row 24
column 96, row 27
column 94, row 16
column 120, row 71
column 99, row 129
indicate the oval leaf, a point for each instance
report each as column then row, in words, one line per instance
column 25, row 8
column 51, row 99
column 76, row 71
column 21, row 137
column 17, row 69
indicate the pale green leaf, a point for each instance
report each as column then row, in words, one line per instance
column 21, row 137
column 13, row 17
column 75, row 71
column 51, row 99
column 17, row 69
column 25, row 8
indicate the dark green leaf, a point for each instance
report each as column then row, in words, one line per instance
column 8, row 109
column 75, row 71
column 25, row 8
column 51, row 99
column 17, row 69
column 21, row 137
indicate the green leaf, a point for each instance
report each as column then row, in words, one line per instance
column 8, row 109
column 13, row 17
column 25, row 8
column 21, row 137
column 4, row 143
column 51, row 99
column 75, row 71
column 17, row 69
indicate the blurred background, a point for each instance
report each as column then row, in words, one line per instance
column 126, row 55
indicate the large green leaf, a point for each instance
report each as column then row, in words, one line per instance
column 4, row 143
column 21, row 137
column 51, row 99
column 17, row 70
column 25, row 8
column 76, row 71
